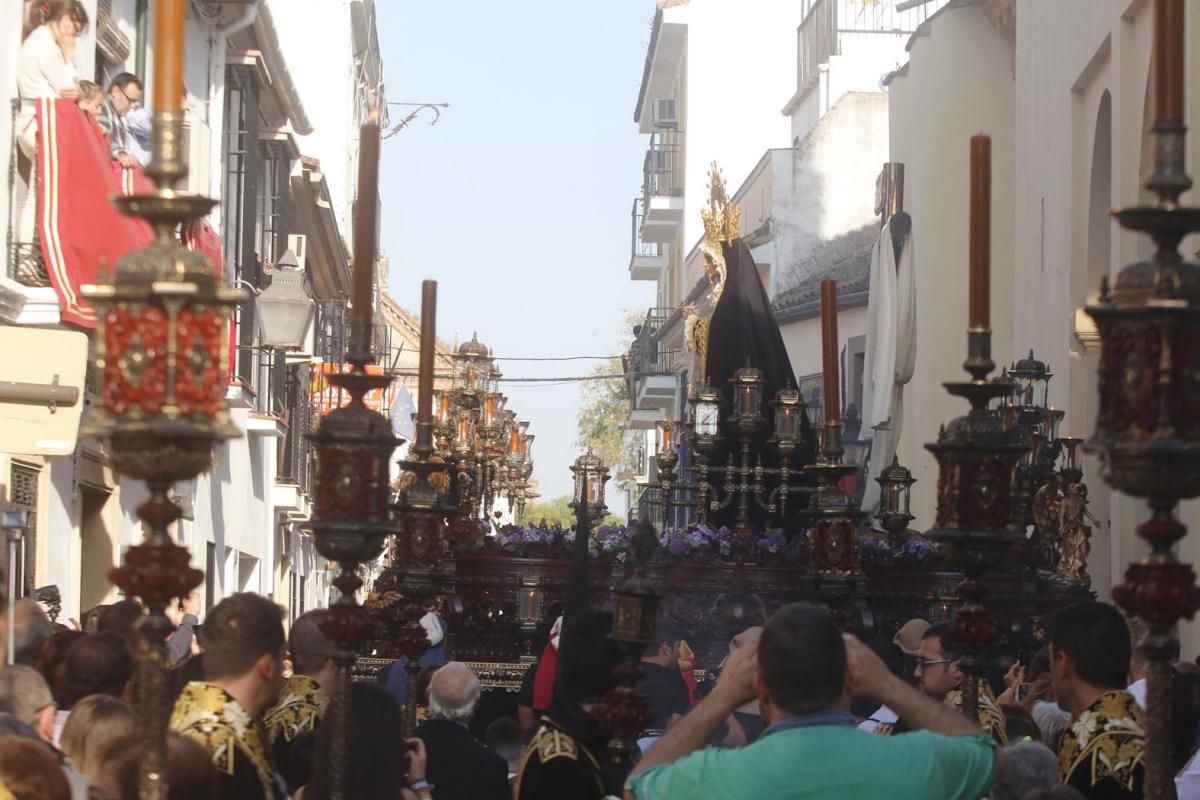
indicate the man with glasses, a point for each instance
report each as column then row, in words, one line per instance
column 124, row 95
column 939, row 676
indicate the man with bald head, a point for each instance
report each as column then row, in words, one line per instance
column 458, row 766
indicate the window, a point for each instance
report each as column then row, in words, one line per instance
column 23, row 494
column 242, row 169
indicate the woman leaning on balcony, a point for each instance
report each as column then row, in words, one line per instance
column 45, row 71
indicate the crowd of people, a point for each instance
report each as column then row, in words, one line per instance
column 798, row 709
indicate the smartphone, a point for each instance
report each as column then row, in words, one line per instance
column 1022, row 691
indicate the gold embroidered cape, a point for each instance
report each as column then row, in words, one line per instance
column 207, row 714
column 301, row 706
column 991, row 718
column 551, row 743
column 5, row 794
column 1107, row 741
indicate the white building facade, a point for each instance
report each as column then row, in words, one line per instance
column 256, row 139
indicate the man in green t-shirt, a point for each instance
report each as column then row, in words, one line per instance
column 803, row 674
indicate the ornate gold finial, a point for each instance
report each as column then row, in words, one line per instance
column 722, row 219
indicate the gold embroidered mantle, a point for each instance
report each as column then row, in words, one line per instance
column 552, row 742
column 1108, row 740
column 991, row 718
column 207, row 714
column 301, row 706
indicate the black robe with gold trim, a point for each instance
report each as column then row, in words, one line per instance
column 236, row 740
column 1101, row 753
column 567, row 759
column 991, row 717
column 300, row 709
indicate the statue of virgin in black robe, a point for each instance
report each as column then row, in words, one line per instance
column 741, row 331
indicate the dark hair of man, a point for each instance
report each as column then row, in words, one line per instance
column 1039, row 665
column 309, row 647
column 802, row 658
column 190, row 770
column 586, row 657
column 239, row 630
column 503, row 737
column 120, row 618
column 29, row 769
column 941, row 632
column 378, row 759
column 99, row 663
column 1096, row 637
column 124, row 80
column 665, row 632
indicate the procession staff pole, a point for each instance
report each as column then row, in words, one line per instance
column 1149, row 325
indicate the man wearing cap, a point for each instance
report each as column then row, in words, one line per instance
column 883, row 720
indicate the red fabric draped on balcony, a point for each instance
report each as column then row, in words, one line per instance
column 81, row 232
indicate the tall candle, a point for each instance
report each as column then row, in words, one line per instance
column 979, row 309
column 169, row 18
column 514, row 441
column 444, row 407
column 1167, row 58
column 829, row 349
column 668, row 435
column 428, row 340
column 365, row 221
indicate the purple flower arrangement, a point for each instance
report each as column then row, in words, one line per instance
column 875, row 550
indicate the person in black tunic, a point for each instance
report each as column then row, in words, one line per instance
column 243, row 666
column 567, row 757
column 1102, row 752
column 662, row 684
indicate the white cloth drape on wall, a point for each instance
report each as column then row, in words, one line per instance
column 891, row 353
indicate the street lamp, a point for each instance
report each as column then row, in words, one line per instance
column 285, row 311
column 285, row 308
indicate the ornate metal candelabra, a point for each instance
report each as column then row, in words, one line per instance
column 1147, row 428
column 895, row 483
column 977, row 456
column 161, row 345
column 427, row 496
column 488, row 446
column 353, row 446
column 623, row 712
column 743, row 481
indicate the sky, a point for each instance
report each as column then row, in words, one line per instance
column 518, row 200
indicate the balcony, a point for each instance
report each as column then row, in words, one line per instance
column 653, row 385
column 829, row 27
column 647, row 260
column 662, row 188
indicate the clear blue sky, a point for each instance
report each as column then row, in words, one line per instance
column 517, row 202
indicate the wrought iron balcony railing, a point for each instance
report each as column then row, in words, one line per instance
column 662, row 171
column 637, row 246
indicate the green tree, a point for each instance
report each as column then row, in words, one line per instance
column 553, row 510
column 604, row 419
column 558, row 509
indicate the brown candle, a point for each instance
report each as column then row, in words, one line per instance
column 425, row 363
column 444, row 407
column 829, row 349
column 168, row 54
column 365, row 221
column 668, row 435
column 514, row 441
column 1167, row 60
column 979, row 310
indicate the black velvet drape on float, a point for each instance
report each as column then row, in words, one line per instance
column 743, row 330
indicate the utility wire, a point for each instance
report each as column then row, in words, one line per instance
column 556, row 358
